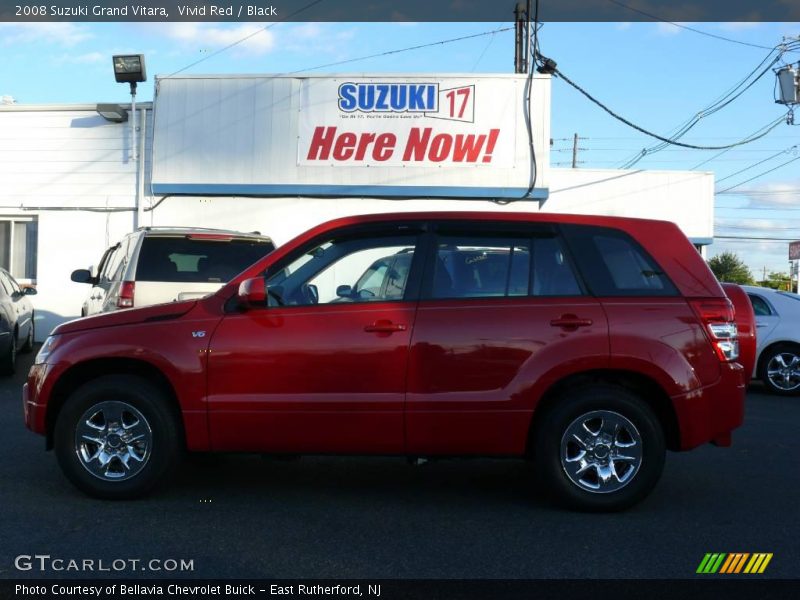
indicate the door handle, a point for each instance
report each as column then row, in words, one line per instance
column 570, row 322
column 762, row 324
column 384, row 326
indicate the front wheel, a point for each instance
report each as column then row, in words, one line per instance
column 600, row 448
column 780, row 369
column 116, row 437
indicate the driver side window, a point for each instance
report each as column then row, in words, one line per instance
column 346, row 269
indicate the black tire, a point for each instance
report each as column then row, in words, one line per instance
column 592, row 411
column 8, row 362
column 771, row 360
column 27, row 347
column 111, row 408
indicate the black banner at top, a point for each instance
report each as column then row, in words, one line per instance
column 396, row 10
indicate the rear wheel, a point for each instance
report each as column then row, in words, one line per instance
column 600, row 448
column 780, row 369
column 116, row 437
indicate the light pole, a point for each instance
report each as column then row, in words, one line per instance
column 129, row 68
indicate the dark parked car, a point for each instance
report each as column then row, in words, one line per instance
column 16, row 321
column 589, row 344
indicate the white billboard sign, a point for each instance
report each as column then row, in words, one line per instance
column 413, row 136
column 412, row 123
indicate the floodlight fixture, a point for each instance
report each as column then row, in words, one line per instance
column 129, row 68
column 112, row 112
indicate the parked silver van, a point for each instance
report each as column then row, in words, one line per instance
column 163, row 264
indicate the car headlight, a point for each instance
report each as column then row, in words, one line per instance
column 45, row 350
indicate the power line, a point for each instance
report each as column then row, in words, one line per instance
column 622, row 119
column 245, row 38
column 759, row 175
column 754, row 239
column 686, row 27
column 727, row 98
column 785, row 151
column 399, row 50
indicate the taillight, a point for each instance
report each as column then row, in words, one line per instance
column 126, row 291
column 718, row 318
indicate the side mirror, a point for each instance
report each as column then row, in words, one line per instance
column 344, row 291
column 82, row 276
column 29, row 291
column 253, row 293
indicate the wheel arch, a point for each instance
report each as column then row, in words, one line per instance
column 83, row 372
column 643, row 386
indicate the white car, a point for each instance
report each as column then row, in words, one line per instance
column 777, row 338
column 153, row 265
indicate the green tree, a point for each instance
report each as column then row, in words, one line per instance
column 777, row 281
column 728, row 267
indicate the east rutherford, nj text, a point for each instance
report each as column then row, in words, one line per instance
column 324, row 590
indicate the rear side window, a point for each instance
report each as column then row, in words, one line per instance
column 477, row 267
column 182, row 259
column 614, row 264
column 760, row 306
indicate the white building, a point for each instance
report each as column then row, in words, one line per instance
column 281, row 154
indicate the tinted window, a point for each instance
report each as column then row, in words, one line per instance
column 115, row 263
column 475, row 267
column 552, row 273
column 760, row 306
column 196, row 260
column 388, row 276
column 350, row 269
column 614, row 264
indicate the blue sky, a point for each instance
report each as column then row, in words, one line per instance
column 654, row 74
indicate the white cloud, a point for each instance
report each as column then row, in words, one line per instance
column 210, row 37
column 89, row 58
column 668, row 28
column 775, row 195
column 739, row 26
column 62, row 34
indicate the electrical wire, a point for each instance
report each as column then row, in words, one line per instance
column 399, row 50
column 686, row 27
column 759, row 175
column 785, row 151
column 245, row 38
column 534, row 51
column 560, row 74
column 718, row 104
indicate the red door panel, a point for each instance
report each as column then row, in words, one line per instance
column 315, row 379
column 473, row 365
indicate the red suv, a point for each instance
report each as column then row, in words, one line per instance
column 589, row 344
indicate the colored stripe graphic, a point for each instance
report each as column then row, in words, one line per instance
column 758, row 563
column 734, row 563
column 711, row 562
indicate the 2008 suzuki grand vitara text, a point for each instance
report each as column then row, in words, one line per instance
column 589, row 344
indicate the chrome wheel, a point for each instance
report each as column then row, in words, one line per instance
column 601, row 451
column 113, row 440
column 783, row 371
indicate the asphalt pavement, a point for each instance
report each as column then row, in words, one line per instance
column 332, row 517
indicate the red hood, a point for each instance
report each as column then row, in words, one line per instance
column 130, row 316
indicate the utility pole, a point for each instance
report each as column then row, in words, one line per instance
column 521, row 39
column 575, row 151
